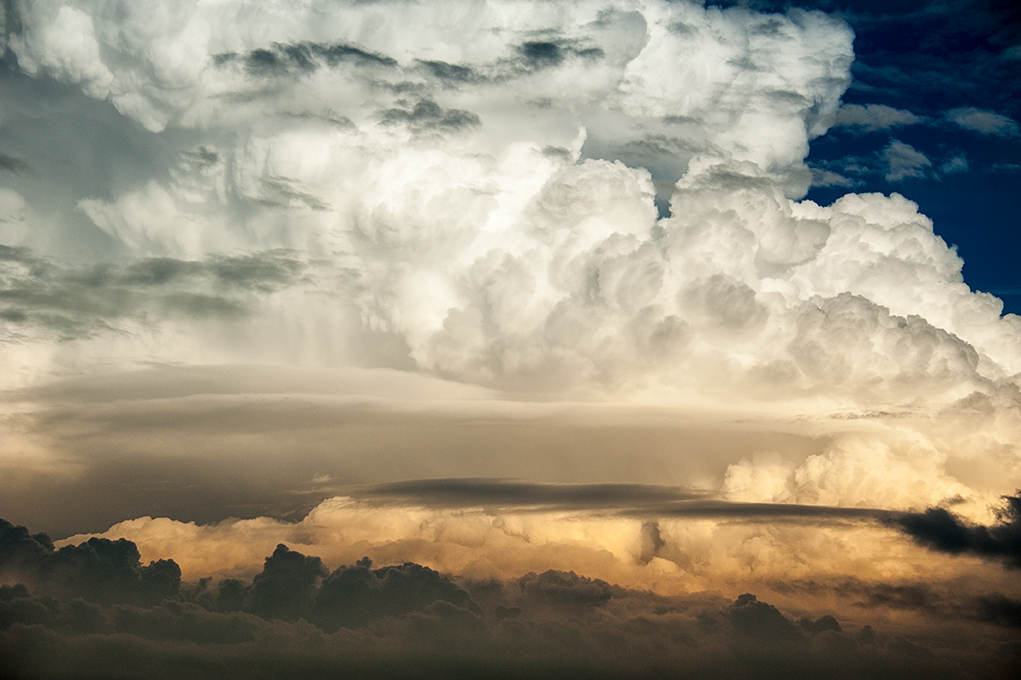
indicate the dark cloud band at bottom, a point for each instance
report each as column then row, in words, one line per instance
column 298, row 618
column 625, row 499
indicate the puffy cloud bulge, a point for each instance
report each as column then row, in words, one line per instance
column 575, row 200
column 481, row 181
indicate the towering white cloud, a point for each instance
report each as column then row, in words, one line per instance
column 567, row 198
column 486, row 174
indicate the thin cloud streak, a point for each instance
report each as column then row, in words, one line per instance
column 621, row 499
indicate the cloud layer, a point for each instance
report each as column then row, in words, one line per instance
column 84, row 605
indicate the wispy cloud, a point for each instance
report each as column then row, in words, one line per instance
column 873, row 117
column 985, row 122
column 72, row 301
column 904, row 162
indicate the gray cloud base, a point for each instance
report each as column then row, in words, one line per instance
column 414, row 621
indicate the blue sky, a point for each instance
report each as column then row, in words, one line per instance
column 939, row 61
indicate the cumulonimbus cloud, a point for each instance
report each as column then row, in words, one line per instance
column 538, row 196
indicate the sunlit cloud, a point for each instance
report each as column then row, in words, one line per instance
column 493, row 289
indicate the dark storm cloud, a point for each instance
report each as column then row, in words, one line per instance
column 286, row 586
column 934, row 600
column 941, row 530
column 75, row 302
column 427, row 115
column 303, row 57
column 87, row 618
column 998, row 610
column 99, row 570
column 291, row 585
column 542, row 54
column 911, row 596
column 451, row 74
column 14, row 165
column 566, row 590
column 762, row 621
column 626, row 499
column 530, row 56
column 290, row 59
column 157, row 271
column 351, row 597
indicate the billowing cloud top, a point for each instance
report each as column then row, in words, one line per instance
column 487, row 186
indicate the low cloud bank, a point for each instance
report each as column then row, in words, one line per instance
column 298, row 616
column 98, row 570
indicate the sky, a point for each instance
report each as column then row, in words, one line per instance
column 528, row 339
